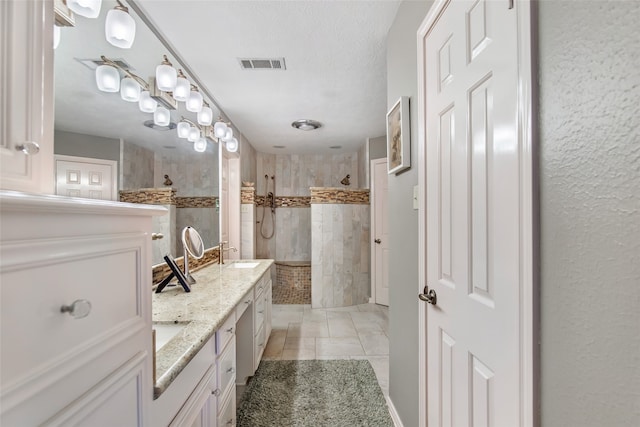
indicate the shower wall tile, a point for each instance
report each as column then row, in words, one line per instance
column 166, row 225
column 340, row 255
column 137, row 167
column 204, row 220
column 248, row 231
column 192, row 173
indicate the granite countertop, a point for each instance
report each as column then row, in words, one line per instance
column 217, row 292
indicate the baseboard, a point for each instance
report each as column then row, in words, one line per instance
column 371, row 301
column 394, row 414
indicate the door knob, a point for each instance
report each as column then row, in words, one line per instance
column 378, row 241
column 428, row 295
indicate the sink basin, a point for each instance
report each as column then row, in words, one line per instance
column 240, row 264
column 166, row 331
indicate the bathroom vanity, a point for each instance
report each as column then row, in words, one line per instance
column 208, row 340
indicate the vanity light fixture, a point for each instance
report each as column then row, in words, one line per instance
column 194, row 134
column 120, row 27
column 200, row 145
column 56, row 36
column 161, row 117
column 166, row 76
column 183, row 129
column 146, row 103
column 129, row 89
column 220, row 128
column 195, row 101
column 86, row 8
column 205, row 116
column 232, row 145
column 182, row 89
column 228, row 134
column 107, row 78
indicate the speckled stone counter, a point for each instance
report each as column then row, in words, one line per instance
column 216, row 294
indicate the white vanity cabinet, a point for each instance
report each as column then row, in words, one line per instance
column 75, row 311
column 26, row 109
column 254, row 328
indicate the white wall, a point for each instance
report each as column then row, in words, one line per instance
column 403, row 221
column 590, row 212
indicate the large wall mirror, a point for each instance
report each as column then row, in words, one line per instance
column 114, row 138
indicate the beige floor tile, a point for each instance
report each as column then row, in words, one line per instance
column 298, row 354
column 375, row 344
column 339, row 347
column 314, row 315
column 342, row 328
column 295, row 343
column 308, row 329
column 275, row 345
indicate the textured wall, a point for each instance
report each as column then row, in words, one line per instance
column 137, row 167
column 340, row 255
column 248, row 156
column 192, row 173
column 403, row 221
column 590, row 213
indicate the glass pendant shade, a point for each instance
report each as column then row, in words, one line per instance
column 200, row 145
column 161, row 117
column 205, row 116
column 182, row 89
column 183, row 129
column 146, row 103
column 120, row 28
column 86, row 8
column 194, row 103
column 232, row 145
column 194, row 134
column 228, row 134
column 220, row 129
column 129, row 90
column 107, row 78
column 56, row 36
column 166, row 77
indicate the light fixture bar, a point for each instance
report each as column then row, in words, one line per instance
column 144, row 85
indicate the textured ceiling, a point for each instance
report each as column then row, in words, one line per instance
column 335, row 53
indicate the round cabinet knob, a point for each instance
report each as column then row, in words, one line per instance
column 29, row 148
column 378, row 241
column 156, row 236
column 216, row 392
column 78, row 309
column 231, row 370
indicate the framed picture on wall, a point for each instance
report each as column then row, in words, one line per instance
column 398, row 137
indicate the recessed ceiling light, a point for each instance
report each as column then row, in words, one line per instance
column 306, row 124
column 278, row 146
column 335, row 147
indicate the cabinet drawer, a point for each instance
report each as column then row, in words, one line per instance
column 227, row 412
column 260, row 343
column 227, row 368
column 40, row 277
column 259, row 288
column 225, row 333
column 244, row 304
column 260, row 308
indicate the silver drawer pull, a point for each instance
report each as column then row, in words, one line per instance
column 29, row 148
column 231, row 370
column 78, row 309
column 261, row 345
column 248, row 302
column 261, row 311
column 230, row 422
column 216, row 392
column 156, row 236
column 230, row 330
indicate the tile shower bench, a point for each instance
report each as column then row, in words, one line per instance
column 220, row 330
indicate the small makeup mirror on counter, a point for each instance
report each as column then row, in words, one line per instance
column 193, row 245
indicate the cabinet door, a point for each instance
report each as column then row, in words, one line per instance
column 200, row 409
column 26, row 109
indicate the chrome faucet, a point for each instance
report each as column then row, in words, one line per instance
column 221, row 249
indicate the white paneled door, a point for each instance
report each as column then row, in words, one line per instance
column 477, row 245
column 380, row 227
column 86, row 177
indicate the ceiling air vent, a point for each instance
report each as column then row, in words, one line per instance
column 93, row 63
column 262, row 63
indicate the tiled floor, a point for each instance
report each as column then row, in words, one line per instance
column 358, row 332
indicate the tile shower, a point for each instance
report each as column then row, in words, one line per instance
column 291, row 244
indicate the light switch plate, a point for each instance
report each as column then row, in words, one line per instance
column 415, row 197
column 245, row 208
